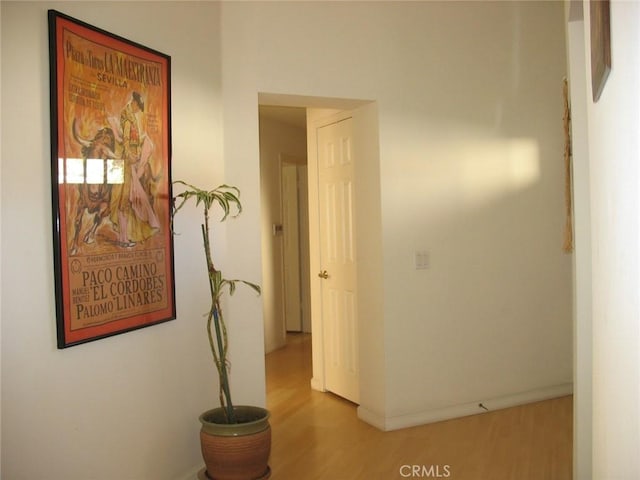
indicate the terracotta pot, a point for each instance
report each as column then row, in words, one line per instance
column 236, row 451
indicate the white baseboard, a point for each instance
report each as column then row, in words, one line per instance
column 316, row 385
column 372, row 418
column 192, row 474
column 463, row 410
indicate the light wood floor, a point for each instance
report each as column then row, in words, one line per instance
column 318, row 436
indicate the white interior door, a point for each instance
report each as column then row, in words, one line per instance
column 291, row 257
column 338, row 259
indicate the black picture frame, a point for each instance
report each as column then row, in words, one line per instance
column 111, row 182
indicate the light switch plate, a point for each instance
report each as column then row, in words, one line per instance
column 422, row 260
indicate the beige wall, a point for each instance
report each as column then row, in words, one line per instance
column 583, row 295
column 469, row 107
column 125, row 407
column 613, row 125
column 469, row 100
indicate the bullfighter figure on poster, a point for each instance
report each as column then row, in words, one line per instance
column 133, row 211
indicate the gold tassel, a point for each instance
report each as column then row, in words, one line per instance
column 567, row 246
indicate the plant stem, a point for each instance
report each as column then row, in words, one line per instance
column 215, row 314
column 224, row 377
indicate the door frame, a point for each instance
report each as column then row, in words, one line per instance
column 372, row 344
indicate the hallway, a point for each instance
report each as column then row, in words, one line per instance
column 318, row 435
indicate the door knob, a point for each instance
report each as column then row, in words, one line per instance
column 323, row 274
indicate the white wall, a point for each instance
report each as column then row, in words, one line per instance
column 614, row 149
column 124, row 407
column 583, row 294
column 469, row 98
column 276, row 138
column 1, row 271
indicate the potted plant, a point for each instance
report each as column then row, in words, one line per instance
column 235, row 440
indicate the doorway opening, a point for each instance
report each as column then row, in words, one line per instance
column 285, row 230
column 289, row 127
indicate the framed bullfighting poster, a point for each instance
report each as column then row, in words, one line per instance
column 111, row 182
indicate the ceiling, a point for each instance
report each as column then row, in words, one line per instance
column 293, row 116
